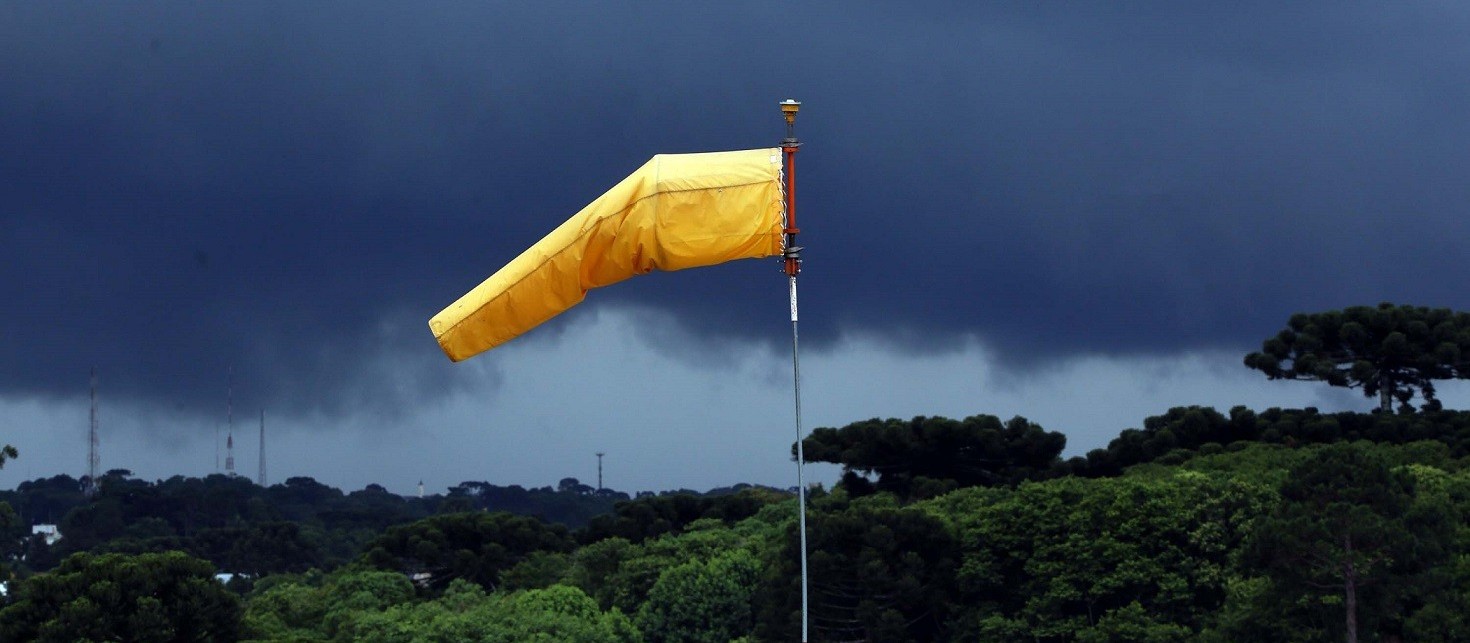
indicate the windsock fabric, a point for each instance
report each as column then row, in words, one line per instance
column 677, row 211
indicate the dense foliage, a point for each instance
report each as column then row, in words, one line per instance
column 1351, row 541
column 1078, row 559
column 1241, row 541
column 117, row 597
column 927, row 456
column 1183, row 432
column 650, row 516
column 242, row 527
column 475, row 547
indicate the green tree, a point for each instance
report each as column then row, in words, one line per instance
column 274, row 548
column 1141, row 557
column 477, row 547
column 466, row 613
column 571, row 503
column 538, row 570
column 12, row 530
column 702, row 600
column 116, row 597
column 12, row 538
column 1392, row 352
column 878, row 571
column 1444, row 612
column 621, row 575
column 1349, row 540
column 561, row 613
column 595, row 568
column 927, row 456
column 311, row 607
column 652, row 516
column 286, row 610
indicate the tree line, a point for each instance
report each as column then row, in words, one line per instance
column 242, row 527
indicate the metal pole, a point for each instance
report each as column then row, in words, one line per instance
column 792, row 256
column 800, row 456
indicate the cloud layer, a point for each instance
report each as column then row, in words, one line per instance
column 664, row 422
column 292, row 190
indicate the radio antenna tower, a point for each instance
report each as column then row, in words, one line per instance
column 599, row 469
column 94, row 461
column 230, row 426
column 261, row 479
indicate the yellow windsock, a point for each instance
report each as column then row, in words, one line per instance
column 677, row 211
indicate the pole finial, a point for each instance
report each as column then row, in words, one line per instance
column 789, row 108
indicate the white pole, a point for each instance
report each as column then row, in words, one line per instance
column 800, row 456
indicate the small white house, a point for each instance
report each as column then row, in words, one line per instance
column 49, row 531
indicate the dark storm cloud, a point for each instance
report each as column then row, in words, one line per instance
column 293, row 189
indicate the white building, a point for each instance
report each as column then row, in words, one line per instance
column 49, row 531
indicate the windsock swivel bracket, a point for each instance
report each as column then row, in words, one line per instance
column 789, row 147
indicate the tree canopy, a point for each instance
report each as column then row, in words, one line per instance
column 1136, row 558
column 1348, row 547
column 1392, row 352
column 476, row 547
column 926, row 456
column 116, row 597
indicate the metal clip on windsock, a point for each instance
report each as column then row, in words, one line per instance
column 793, row 254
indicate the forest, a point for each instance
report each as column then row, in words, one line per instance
column 1201, row 524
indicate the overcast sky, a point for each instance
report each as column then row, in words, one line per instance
column 1082, row 213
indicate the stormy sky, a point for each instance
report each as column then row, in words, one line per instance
column 1083, row 213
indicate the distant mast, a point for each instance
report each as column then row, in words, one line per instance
column 230, row 426
column 94, row 461
column 261, row 480
column 599, row 469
